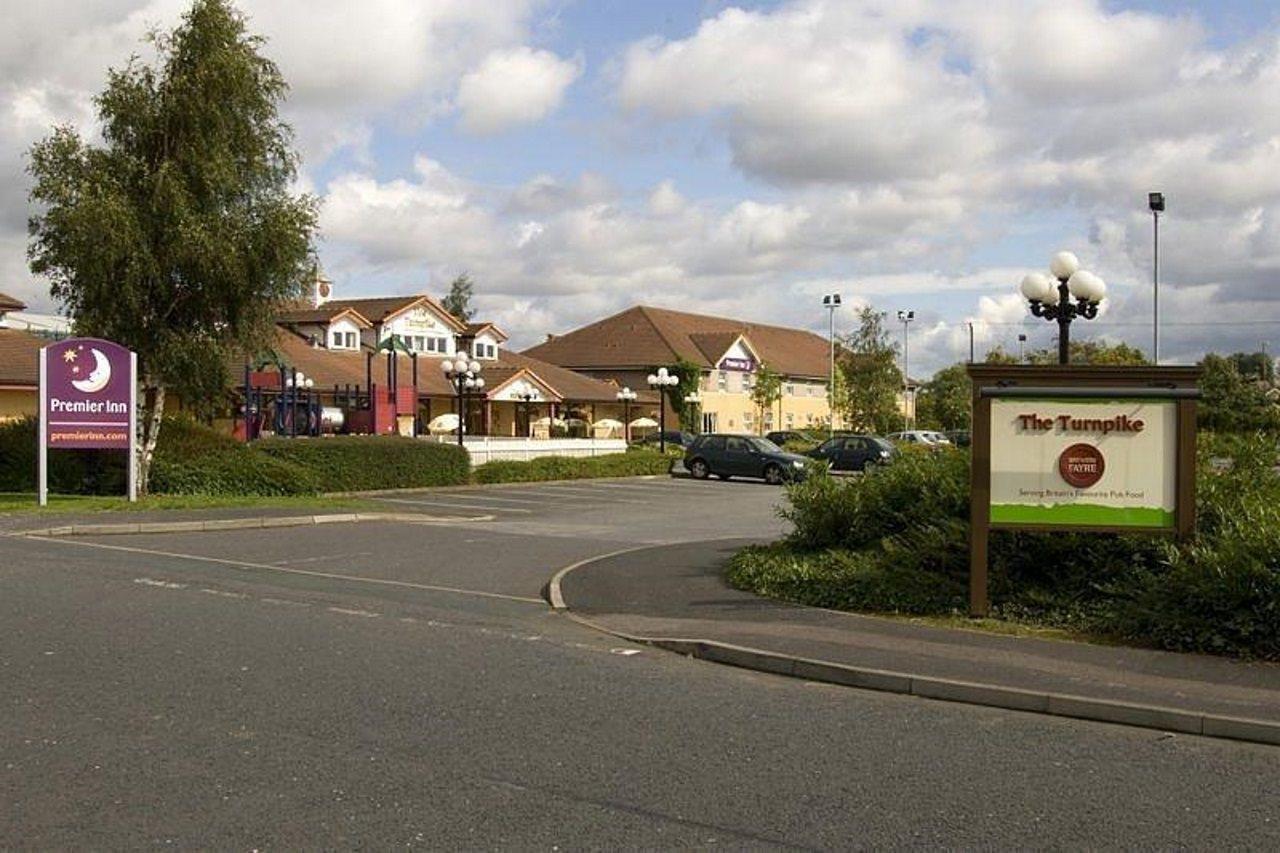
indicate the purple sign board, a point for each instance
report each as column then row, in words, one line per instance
column 744, row 364
column 88, row 399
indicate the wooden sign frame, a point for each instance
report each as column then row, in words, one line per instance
column 1083, row 382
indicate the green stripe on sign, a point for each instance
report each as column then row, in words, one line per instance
column 1081, row 514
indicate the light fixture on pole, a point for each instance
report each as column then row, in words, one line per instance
column 831, row 302
column 694, row 400
column 465, row 378
column 1088, row 289
column 1155, row 202
column 626, row 396
column 906, row 318
column 1022, row 344
column 526, row 400
column 659, row 381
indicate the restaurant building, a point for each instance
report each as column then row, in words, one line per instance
column 626, row 347
column 19, row 360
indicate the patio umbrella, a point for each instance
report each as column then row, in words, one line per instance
column 607, row 423
column 644, row 423
column 443, row 423
column 546, row 421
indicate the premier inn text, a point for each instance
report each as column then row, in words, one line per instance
column 1068, row 423
column 110, row 407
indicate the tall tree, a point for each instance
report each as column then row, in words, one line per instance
column 178, row 236
column 1231, row 402
column 869, row 379
column 1091, row 352
column 765, row 391
column 1255, row 366
column 945, row 400
column 458, row 302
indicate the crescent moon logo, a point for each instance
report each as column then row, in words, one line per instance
column 98, row 377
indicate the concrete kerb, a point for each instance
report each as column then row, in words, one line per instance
column 257, row 523
column 972, row 693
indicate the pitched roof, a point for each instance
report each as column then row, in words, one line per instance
column 644, row 336
column 380, row 309
column 323, row 314
column 9, row 303
column 20, row 358
column 477, row 328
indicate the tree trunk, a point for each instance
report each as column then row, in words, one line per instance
column 151, row 415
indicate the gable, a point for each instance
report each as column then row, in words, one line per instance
column 524, row 382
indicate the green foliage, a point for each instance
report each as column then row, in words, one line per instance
column 81, row 472
column 897, row 540
column 178, row 236
column 1091, row 352
column 355, row 463
column 458, row 302
column 690, row 375
column 1255, row 366
column 631, row 464
column 869, row 379
column 193, row 459
column 946, row 400
column 1232, row 403
column 765, row 391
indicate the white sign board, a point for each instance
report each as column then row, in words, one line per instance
column 1097, row 463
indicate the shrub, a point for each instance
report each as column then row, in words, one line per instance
column 88, row 472
column 631, row 464
column 364, row 463
column 192, row 459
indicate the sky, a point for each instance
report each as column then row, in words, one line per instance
column 744, row 159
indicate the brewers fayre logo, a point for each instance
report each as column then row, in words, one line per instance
column 1082, row 465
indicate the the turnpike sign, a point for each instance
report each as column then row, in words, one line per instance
column 88, row 400
column 1081, row 448
column 1098, row 463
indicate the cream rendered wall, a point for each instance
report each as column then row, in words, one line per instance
column 418, row 322
column 804, row 400
column 17, row 403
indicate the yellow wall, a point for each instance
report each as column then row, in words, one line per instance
column 15, row 404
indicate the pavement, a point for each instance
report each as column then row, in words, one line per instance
column 676, row 597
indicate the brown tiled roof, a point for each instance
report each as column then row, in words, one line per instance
column 323, row 314
column 645, row 337
column 342, row 367
column 477, row 328
column 20, row 358
column 380, row 308
column 8, row 303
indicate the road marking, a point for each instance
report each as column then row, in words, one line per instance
column 455, row 505
column 223, row 593
column 464, row 496
column 367, row 614
column 583, row 494
column 241, row 564
column 162, row 584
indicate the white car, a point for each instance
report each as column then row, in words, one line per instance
column 929, row 438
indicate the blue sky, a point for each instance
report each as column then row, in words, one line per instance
column 745, row 158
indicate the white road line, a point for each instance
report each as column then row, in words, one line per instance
column 283, row 570
column 467, row 496
column 582, row 494
column 455, row 505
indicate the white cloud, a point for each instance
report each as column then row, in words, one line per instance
column 514, row 87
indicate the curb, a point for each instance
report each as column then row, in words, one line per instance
column 910, row 684
column 241, row 524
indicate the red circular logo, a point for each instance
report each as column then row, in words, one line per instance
column 1081, row 465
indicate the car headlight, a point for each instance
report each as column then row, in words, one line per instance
column 796, row 463
column 884, row 453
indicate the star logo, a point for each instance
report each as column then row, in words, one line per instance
column 69, row 356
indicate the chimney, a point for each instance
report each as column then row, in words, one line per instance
column 321, row 290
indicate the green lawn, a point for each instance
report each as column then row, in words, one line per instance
column 17, row 502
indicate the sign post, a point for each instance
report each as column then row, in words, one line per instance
column 1079, row 448
column 88, row 400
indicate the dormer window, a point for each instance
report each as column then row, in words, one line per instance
column 343, row 340
column 483, row 350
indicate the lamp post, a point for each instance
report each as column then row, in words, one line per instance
column 693, row 399
column 626, row 396
column 526, row 399
column 1022, row 344
column 831, row 302
column 1155, row 202
column 465, row 378
column 906, row 318
column 1088, row 289
column 658, row 381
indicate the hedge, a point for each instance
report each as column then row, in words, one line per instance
column 630, row 464
column 364, row 462
column 896, row 540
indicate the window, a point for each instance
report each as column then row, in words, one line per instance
column 337, row 339
column 351, row 340
column 481, row 350
column 714, row 442
column 737, row 445
column 789, row 390
column 722, row 380
column 709, row 422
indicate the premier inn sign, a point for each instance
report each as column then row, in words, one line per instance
column 1108, row 449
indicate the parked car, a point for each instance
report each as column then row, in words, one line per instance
column 924, row 437
column 959, row 437
column 782, row 436
column 742, row 456
column 854, row 452
column 678, row 437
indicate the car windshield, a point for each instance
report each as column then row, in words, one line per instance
column 764, row 445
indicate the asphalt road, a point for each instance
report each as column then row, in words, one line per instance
column 376, row 685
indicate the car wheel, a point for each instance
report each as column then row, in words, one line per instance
column 773, row 475
column 698, row 469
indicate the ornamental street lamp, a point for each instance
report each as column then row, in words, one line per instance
column 527, row 400
column 626, row 396
column 658, row 381
column 1088, row 289
column 693, row 399
column 1155, row 202
column 832, row 303
column 906, row 318
column 465, row 378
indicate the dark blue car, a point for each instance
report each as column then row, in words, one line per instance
column 742, row 456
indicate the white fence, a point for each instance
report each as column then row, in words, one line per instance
column 492, row 448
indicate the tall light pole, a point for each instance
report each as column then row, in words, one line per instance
column 1054, row 304
column 658, row 381
column 1155, row 202
column 905, row 317
column 465, row 377
column 626, row 396
column 693, row 399
column 1022, row 351
column 831, row 302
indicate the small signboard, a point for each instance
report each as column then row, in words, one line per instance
column 88, row 400
column 1081, row 448
column 745, row 365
